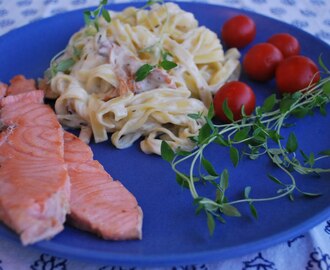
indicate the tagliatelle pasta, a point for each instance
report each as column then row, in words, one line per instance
column 100, row 95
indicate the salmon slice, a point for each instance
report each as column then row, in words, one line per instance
column 3, row 89
column 34, row 180
column 98, row 203
column 19, row 84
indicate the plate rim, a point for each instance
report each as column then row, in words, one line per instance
column 192, row 257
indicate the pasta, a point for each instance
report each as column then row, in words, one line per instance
column 99, row 93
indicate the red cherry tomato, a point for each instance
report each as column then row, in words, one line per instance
column 237, row 94
column 261, row 60
column 286, row 43
column 238, row 31
column 296, row 73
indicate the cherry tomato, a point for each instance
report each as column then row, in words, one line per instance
column 237, row 94
column 238, row 31
column 286, row 43
column 296, row 73
column 261, row 60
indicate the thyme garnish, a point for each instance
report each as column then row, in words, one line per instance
column 165, row 62
column 91, row 20
column 258, row 132
column 91, row 16
column 146, row 69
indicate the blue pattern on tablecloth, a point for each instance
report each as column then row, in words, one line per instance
column 308, row 251
column 298, row 13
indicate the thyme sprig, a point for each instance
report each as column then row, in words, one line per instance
column 63, row 65
column 166, row 62
column 91, row 20
column 91, row 16
column 146, row 69
column 260, row 133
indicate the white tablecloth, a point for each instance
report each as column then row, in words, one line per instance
column 310, row 251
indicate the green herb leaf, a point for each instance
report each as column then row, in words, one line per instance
column 242, row 134
column 182, row 181
column 322, row 64
column 311, row 195
column 210, row 112
column 269, row 103
column 325, row 153
column 273, row 134
column 96, row 25
column 227, row 111
column 210, row 178
column 253, row 211
column 91, row 17
column 247, row 191
column 224, row 180
column 166, row 152
column 106, row 15
column 230, row 210
column 234, row 155
column 300, row 112
column 143, row 72
column 311, row 160
column 275, row 180
column 210, row 223
column 286, row 104
column 204, row 133
column 64, row 65
column 208, row 167
column 326, row 88
column 96, row 12
column 195, row 116
column 87, row 17
column 303, row 155
column 292, row 143
column 76, row 53
column 167, row 65
column 183, row 153
column 151, row 2
column 221, row 219
column 221, row 141
column 291, row 197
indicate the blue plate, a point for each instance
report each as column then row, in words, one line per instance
column 172, row 233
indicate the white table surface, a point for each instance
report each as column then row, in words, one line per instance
column 310, row 251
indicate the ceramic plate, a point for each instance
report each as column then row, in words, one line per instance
column 172, row 233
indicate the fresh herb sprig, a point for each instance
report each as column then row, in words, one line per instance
column 258, row 132
column 91, row 20
column 152, row 2
column 166, row 62
column 64, row 65
column 146, row 69
column 91, row 16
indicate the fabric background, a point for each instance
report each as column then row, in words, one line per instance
column 310, row 251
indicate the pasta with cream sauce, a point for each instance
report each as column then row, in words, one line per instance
column 100, row 95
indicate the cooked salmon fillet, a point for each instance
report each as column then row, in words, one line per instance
column 19, row 84
column 3, row 89
column 35, row 186
column 98, row 203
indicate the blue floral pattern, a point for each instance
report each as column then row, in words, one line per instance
column 49, row 262
column 309, row 15
column 318, row 260
column 327, row 227
column 292, row 241
column 259, row 263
